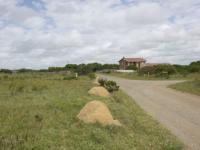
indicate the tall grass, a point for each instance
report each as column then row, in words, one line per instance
column 39, row 112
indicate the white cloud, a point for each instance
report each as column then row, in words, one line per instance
column 34, row 23
column 77, row 31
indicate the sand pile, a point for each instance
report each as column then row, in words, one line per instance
column 99, row 91
column 96, row 81
column 96, row 111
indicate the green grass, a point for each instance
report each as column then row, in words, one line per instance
column 38, row 111
column 192, row 87
column 135, row 76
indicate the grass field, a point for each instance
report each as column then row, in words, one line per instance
column 38, row 111
column 135, row 76
column 192, row 87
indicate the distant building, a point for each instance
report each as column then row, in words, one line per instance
column 125, row 62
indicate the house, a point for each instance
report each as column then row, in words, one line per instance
column 125, row 62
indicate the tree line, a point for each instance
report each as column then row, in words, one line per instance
column 169, row 69
column 93, row 67
column 79, row 68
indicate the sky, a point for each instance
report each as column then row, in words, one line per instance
column 42, row 33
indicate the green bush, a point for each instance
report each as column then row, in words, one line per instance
column 131, row 67
column 147, row 69
column 71, row 76
column 102, row 81
column 165, row 69
column 111, row 86
column 92, row 75
column 5, row 71
column 108, row 84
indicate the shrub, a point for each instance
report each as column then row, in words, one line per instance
column 70, row 77
column 165, row 69
column 111, row 86
column 5, row 71
column 102, row 81
column 92, row 75
column 147, row 69
column 108, row 84
column 131, row 67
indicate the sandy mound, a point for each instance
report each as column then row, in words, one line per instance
column 99, row 91
column 96, row 111
column 96, row 81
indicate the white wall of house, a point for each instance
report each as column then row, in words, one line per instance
column 125, row 71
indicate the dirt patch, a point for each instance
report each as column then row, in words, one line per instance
column 99, row 91
column 96, row 111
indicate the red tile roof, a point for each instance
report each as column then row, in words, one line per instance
column 133, row 59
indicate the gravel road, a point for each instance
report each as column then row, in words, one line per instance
column 178, row 111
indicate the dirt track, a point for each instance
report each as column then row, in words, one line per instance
column 179, row 112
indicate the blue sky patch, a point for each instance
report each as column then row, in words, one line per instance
column 172, row 19
column 128, row 1
column 34, row 4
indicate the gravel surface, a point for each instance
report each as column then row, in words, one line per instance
column 179, row 112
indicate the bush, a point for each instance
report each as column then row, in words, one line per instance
column 108, row 84
column 111, row 86
column 92, row 75
column 70, row 78
column 131, row 67
column 165, row 69
column 5, row 71
column 102, row 81
column 147, row 69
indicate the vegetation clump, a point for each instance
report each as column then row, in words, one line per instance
column 131, row 67
column 92, row 75
column 110, row 85
column 71, row 77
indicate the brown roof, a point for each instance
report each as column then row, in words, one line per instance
column 133, row 59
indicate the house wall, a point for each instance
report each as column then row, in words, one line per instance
column 123, row 64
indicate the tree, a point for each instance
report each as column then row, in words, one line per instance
column 6, row 71
column 194, row 66
column 131, row 67
column 71, row 66
column 56, row 69
column 147, row 70
column 165, row 68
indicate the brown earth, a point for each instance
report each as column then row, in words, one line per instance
column 97, row 111
column 99, row 91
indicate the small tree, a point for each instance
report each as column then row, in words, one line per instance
column 165, row 69
column 131, row 67
column 147, row 70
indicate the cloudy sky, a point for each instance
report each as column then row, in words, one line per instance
column 42, row 33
